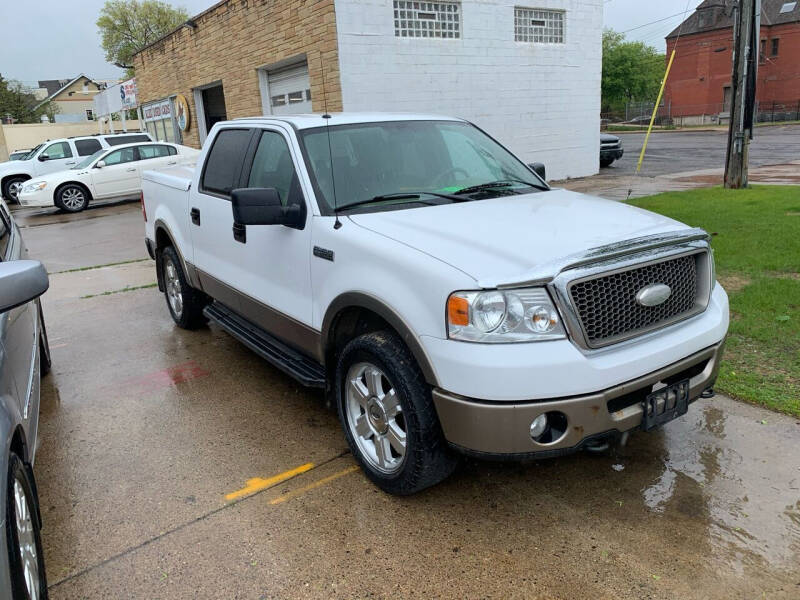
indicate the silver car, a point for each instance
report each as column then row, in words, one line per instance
column 24, row 357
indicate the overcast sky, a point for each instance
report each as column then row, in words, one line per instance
column 58, row 39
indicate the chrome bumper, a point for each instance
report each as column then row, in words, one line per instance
column 503, row 429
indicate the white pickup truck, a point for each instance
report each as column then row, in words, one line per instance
column 446, row 298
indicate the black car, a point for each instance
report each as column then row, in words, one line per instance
column 610, row 149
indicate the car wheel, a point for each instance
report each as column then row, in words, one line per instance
column 12, row 187
column 185, row 303
column 606, row 163
column 45, row 363
column 72, row 198
column 23, row 534
column 387, row 413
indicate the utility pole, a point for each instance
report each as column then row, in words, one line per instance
column 746, row 48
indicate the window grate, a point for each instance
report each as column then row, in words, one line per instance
column 539, row 26
column 427, row 19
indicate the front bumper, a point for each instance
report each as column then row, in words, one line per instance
column 502, row 430
column 611, row 154
column 41, row 198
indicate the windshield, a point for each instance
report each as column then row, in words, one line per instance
column 89, row 159
column 390, row 158
column 30, row 154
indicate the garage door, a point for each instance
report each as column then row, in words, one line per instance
column 290, row 91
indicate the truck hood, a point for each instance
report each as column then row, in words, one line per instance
column 501, row 241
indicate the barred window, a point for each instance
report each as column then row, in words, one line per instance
column 427, row 19
column 538, row 25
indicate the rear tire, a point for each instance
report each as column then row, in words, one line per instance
column 23, row 534
column 184, row 302
column 387, row 413
column 72, row 198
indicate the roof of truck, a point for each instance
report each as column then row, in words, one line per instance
column 308, row 121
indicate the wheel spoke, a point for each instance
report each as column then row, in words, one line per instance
column 391, row 404
column 382, row 451
column 360, row 392
column 374, row 382
column 362, row 427
column 396, row 437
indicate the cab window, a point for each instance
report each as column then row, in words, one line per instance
column 273, row 168
column 87, row 147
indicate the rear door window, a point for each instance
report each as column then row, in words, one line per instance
column 224, row 163
column 87, row 147
column 118, row 157
column 154, row 151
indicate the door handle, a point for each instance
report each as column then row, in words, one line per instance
column 70, row 163
column 173, row 162
column 131, row 170
column 195, row 214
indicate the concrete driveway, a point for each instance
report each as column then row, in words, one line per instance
column 177, row 464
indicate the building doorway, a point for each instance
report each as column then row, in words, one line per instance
column 209, row 102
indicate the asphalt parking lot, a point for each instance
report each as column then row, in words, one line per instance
column 177, row 464
column 671, row 152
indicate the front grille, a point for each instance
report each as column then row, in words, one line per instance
column 606, row 305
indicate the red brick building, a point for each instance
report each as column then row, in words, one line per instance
column 699, row 85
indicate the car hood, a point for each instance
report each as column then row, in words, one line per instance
column 606, row 138
column 503, row 240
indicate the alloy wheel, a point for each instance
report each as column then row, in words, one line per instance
column 73, row 198
column 14, row 189
column 27, row 541
column 375, row 417
column 173, row 288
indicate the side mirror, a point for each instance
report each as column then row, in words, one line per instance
column 539, row 169
column 21, row 281
column 262, row 206
column 43, row 157
column 100, row 164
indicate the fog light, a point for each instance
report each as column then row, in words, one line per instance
column 538, row 426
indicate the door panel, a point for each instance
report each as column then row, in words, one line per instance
column 18, row 333
column 273, row 267
column 62, row 157
column 121, row 175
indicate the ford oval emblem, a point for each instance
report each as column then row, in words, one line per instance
column 653, row 295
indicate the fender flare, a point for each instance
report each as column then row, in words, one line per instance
column 160, row 225
column 377, row 306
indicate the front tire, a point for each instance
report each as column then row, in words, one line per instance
column 387, row 413
column 185, row 303
column 12, row 188
column 23, row 534
column 606, row 163
column 72, row 198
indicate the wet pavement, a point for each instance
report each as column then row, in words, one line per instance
column 148, row 430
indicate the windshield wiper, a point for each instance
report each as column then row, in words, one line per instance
column 400, row 196
column 503, row 183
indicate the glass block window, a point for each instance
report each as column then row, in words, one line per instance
column 539, row 25
column 427, row 19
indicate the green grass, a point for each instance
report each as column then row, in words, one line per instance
column 125, row 289
column 757, row 248
column 113, row 264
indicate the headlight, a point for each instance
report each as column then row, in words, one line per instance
column 503, row 316
column 34, row 187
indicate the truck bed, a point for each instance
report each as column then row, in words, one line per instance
column 178, row 177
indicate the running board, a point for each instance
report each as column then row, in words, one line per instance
column 291, row 362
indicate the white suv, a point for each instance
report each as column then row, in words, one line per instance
column 442, row 293
column 57, row 155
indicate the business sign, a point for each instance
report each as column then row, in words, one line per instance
column 127, row 93
column 157, row 110
column 182, row 112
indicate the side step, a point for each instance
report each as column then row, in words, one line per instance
column 291, row 362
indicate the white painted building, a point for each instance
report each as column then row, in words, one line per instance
column 527, row 72
column 528, row 76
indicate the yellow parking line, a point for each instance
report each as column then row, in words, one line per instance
column 311, row 486
column 257, row 483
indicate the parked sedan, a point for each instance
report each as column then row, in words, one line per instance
column 24, row 357
column 110, row 173
column 610, row 149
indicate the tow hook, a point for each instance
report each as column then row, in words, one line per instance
column 708, row 393
column 597, row 446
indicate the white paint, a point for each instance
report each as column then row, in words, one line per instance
column 540, row 100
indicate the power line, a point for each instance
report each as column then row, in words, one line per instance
column 654, row 22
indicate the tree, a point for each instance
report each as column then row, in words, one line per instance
column 631, row 71
column 21, row 105
column 126, row 26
